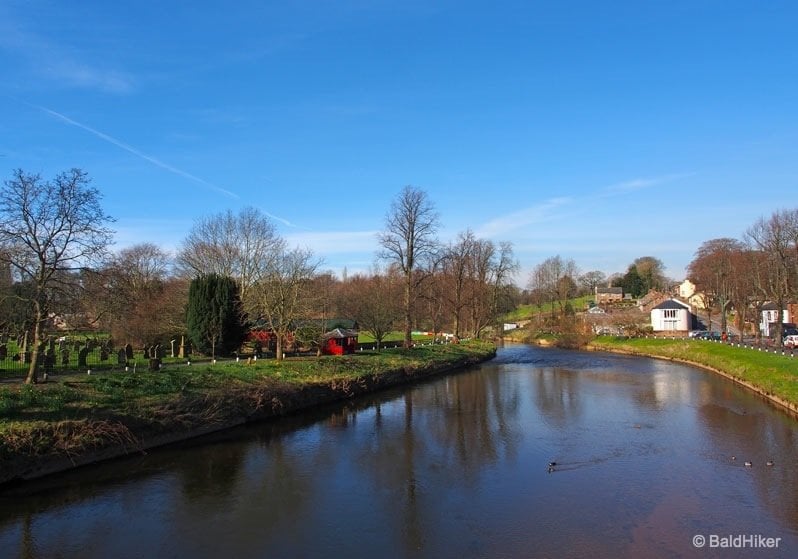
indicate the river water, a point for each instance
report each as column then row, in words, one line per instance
column 454, row 467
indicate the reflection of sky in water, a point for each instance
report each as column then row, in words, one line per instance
column 454, row 467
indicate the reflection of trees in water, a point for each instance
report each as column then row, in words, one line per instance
column 557, row 395
column 441, row 432
column 213, row 470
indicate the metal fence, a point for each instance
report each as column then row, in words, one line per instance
column 63, row 357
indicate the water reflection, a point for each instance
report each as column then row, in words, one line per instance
column 454, row 467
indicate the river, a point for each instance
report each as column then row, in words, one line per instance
column 650, row 457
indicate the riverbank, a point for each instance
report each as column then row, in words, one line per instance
column 770, row 375
column 81, row 419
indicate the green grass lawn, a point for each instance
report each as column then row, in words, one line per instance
column 154, row 396
column 528, row 312
column 365, row 338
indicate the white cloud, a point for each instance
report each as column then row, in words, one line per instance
column 523, row 218
column 56, row 63
column 335, row 242
column 642, row 183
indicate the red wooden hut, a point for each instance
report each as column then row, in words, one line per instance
column 340, row 341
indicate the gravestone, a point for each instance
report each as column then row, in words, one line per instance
column 3, row 351
column 49, row 360
column 103, row 353
column 155, row 364
column 129, row 351
column 121, row 358
column 157, row 352
column 146, row 352
column 82, row 354
column 65, row 357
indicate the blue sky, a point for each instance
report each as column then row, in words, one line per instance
column 598, row 131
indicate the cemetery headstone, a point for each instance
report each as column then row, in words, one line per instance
column 49, row 360
column 82, row 355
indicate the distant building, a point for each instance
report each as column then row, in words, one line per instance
column 671, row 316
column 686, row 289
column 770, row 316
column 651, row 300
column 608, row 295
column 687, row 292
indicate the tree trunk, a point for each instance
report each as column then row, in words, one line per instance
column 34, row 355
column 279, row 347
column 408, row 343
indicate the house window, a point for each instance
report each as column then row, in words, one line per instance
column 669, row 313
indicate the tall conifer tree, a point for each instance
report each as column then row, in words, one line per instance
column 214, row 319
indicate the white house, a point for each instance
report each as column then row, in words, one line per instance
column 770, row 316
column 686, row 289
column 671, row 316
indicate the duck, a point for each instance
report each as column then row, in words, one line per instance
column 748, row 464
column 552, row 464
column 769, row 463
column 734, row 458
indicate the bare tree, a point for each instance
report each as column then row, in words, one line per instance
column 409, row 240
column 745, row 293
column 375, row 302
column 712, row 271
column 776, row 238
column 589, row 281
column 456, row 264
column 556, row 277
column 48, row 231
column 244, row 247
column 135, row 297
column 284, row 294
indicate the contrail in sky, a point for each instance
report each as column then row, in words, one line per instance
column 134, row 151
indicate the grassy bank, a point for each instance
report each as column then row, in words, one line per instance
column 79, row 418
column 772, row 375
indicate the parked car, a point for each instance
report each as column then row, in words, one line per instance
column 695, row 333
column 708, row 335
column 791, row 340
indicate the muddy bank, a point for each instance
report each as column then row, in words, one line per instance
column 53, row 447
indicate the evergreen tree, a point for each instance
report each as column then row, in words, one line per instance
column 214, row 320
column 631, row 282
